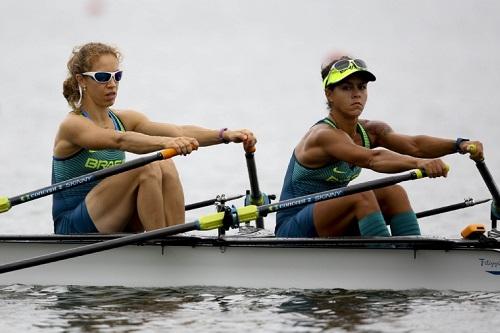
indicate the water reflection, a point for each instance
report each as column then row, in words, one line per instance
column 89, row 309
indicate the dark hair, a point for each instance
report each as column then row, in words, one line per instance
column 81, row 60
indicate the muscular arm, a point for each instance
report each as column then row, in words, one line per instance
column 77, row 132
column 422, row 146
column 206, row 137
column 323, row 145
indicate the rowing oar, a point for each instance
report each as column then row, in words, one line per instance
column 492, row 187
column 209, row 202
column 256, row 197
column 6, row 203
column 488, row 180
column 465, row 204
column 231, row 217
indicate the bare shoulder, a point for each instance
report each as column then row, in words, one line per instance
column 311, row 151
column 323, row 133
column 376, row 129
column 69, row 128
column 72, row 122
column 129, row 114
column 321, row 136
column 130, row 118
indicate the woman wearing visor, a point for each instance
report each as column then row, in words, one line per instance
column 94, row 136
column 337, row 147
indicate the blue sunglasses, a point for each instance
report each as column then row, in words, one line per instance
column 104, row 77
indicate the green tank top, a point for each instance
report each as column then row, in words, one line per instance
column 336, row 174
column 81, row 163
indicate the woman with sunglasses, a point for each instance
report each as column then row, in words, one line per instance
column 337, row 147
column 93, row 136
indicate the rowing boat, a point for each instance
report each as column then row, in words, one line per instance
column 257, row 260
column 253, row 258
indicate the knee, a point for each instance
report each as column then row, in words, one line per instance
column 168, row 171
column 366, row 201
column 393, row 199
column 393, row 193
column 150, row 173
column 398, row 190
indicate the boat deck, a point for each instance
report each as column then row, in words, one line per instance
column 257, row 240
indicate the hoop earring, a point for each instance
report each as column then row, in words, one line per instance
column 79, row 103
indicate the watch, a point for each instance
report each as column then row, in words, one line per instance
column 457, row 145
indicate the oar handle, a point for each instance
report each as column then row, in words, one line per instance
column 250, row 150
column 168, row 153
column 4, row 204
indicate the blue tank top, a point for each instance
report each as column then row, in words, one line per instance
column 82, row 162
column 301, row 180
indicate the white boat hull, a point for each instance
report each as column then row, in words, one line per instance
column 264, row 264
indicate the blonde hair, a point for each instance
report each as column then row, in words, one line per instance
column 81, row 60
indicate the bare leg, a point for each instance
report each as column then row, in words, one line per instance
column 134, row 225
column 397, row 210
column 392, row 200
column 335, row 217
column 173, row 194
column 150, row 206
column 116, row 201
column 112, row 203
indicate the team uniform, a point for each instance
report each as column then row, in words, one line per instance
column 301, row 180
column 69, row 210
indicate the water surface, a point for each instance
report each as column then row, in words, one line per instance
column 206, row 309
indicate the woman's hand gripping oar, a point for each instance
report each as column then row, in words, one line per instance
column 7, row 203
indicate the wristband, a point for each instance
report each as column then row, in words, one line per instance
column 457, row 145
column 221, row 135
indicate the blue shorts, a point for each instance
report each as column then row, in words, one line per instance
column 300, row 224
column 76, row 221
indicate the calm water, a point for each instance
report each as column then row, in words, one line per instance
column 62, row 309
column 252, row 64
